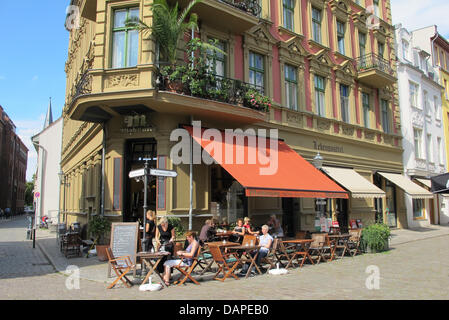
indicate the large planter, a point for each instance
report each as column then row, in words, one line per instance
column 101, row 252
column 386, row 248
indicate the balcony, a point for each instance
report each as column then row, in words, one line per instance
column 375, row 71
column 236, row 16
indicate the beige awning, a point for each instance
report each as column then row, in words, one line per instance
column 425, row 182
column 359, row 186
column 411, row 188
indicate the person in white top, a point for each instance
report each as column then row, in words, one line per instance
column 265, row 242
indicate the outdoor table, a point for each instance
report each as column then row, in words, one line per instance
column 222, row 235
column 222, row 244
column 243, row 255
column 341, row 242
column 146, row 259
column 303, row 250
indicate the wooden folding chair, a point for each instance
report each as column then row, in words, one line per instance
column 121, row 266
column 225, row 264
column 248, row 238
column 284, row 252
column 316, row 247
column 205, row 260
column 187, row 270
column 271, row 257
column 354, row 242
column 328, row 248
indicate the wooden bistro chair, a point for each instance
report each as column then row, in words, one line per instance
column 354, row 242
column 316, row 247
column 121, row 266
column 71, row 244
column 205, row 259
column 225, row 264
column 284, row 252
column 271, row 257
column 247, row 238
column 187, row 270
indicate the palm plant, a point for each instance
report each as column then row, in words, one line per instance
column 168, row 26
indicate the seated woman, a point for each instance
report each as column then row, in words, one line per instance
column 187, row 256
column 238, row 232
column 265, row 242
column 165, row 239
column 247, row 226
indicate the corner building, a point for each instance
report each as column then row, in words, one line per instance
column 328, row 71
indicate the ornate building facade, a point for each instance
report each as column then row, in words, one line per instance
column 327, row 66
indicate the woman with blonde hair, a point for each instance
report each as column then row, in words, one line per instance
column 150, row 230
column 247, row 226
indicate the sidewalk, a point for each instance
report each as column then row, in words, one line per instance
column 93, row 269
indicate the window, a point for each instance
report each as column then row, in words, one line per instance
column 341, row 37
column 418, row 208
column 125, row 41
column 220, row 60
column 385, row 116
column 429, row 148
column 440, row 151
column 445, row 89
column 436, row 108
column 405, row 50
column 256, row 71
column 344, row 100
column 381, row 48
column 362, row 43
column 291, row 87
column 376, row 8
column 319, row 96
column 316, row 24
column 289, row 11
column 417, row 134
column 366, row 110
column 413, row 94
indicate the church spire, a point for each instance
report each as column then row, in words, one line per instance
column 49, row 116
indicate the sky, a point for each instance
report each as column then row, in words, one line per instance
column 33, row 51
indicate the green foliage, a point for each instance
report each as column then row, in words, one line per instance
column 179, row 228
column 29, row 193
column 256, row 100
column 99, row 226
column 168, row 26
column 375, row 237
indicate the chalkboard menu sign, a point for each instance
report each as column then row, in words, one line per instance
column 124, row 239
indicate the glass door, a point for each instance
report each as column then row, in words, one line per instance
column 390, row 191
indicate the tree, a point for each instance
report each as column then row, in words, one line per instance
column 29, row 192
column 168, row 26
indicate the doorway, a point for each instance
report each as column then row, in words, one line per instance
column 378, row 203
column 288, row 224
column 341, row 212
column 136, row 153
column 390, row 191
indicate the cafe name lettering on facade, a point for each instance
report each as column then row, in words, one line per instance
column 136, row 123
column 322, row 147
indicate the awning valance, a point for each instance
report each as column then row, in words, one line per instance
column 359, row 186
column 293, row 175
column 411, row 188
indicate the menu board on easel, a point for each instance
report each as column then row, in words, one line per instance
column 124, row 238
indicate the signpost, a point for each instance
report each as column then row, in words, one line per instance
column 143, row 174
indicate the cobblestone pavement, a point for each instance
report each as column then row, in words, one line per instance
column 410, row 270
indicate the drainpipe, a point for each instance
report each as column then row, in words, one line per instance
column 103, row 158
column 191, row 178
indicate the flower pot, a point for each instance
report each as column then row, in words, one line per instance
column 101, row 252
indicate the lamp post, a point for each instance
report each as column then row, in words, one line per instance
column 318, row 163
column 63, row 181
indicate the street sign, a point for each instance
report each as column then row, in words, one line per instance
column 37, row 194
column 137, row 173
column 163, row 173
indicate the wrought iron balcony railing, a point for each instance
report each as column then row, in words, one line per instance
column 214, row 87
column 373, row 61
column 249, row 6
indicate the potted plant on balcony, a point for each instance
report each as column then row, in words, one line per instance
column 255, row 100
column 99, row 226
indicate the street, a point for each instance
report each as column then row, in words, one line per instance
column 412, row 270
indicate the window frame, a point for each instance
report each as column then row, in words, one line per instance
column 341, row 35
column 291, row 10
column 256, row 70
column 366, row 110
column 126, row 30
column 385, row 115
column 417, row 140
column 362, row 35
column 222, row 59
column 420, row 209
column 344, row 104
column 317, row 35
column 320, row 96
column 289, row 83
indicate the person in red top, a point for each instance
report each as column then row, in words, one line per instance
column 247, row 226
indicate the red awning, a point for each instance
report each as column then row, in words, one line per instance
column 289, row 175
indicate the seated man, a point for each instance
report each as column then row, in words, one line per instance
column 207, row 232
column 265, row 242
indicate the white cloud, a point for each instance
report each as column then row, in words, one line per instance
column 416, row 14
column 35, row 78
column 26, row 129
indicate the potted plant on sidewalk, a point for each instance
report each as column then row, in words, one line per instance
column 99, row 226
column 375, row 238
